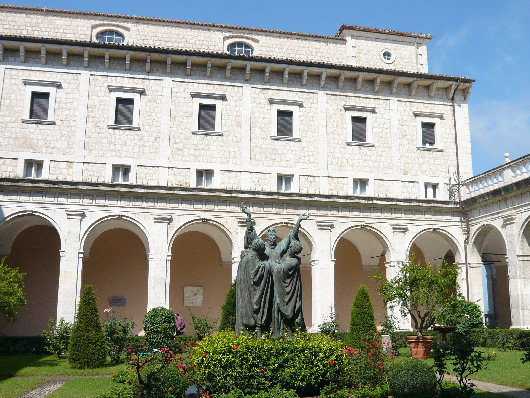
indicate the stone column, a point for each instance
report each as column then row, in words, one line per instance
column 403, row 322
column 70, row 267
column 476, row 286
column 323, row 276
column 159, row 258
column 522, row 282
column 514, row 271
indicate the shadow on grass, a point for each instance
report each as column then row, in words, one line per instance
column 11, row 364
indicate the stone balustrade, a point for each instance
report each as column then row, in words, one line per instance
column 490, row 180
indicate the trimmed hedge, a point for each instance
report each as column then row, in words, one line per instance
column 22, row 345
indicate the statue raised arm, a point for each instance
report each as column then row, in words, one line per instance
column 250, row 233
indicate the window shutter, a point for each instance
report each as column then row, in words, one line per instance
column 358, row 129
column 39, row 106
column 206, row 117
column 124, row 111
column 427, row 134
column 285, row 124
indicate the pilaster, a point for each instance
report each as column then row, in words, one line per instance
column 323, row 275
column 159, row 261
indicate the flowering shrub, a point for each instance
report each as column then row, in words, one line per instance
column 117, row 332
column 330, row 326
column 368, row 366
column 412, row 378
column 272, row 393
column 304, row 363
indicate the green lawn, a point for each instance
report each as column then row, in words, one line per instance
column 13, row 388
column 47, row 365
column 506, row 368
column 82, row 388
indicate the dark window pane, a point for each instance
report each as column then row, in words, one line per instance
column 39, row 106
column 206, row 117
column 285, row 124
column 427, row 134
column 358, row 129
column 124, row 111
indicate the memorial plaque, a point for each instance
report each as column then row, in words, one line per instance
column 117, row 301
column 193, row 296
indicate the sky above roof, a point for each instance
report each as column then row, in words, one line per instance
column 485, row 40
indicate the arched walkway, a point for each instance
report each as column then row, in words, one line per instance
column 359, row 254
column 32, row 243
column 115, row 263
column 434, row 246
column 489, row 246
column 200, row 270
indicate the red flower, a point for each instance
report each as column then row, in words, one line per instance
column 129, row 351
column 133, row 359
column 424, row 358
column 179, row 357
column 375, row 334
column 235, row 347
column 332, row 362
column 170, row 388
column 137, row 389
column 261, row 370
column 203, row 355
column 344, row 351
column 393, row 357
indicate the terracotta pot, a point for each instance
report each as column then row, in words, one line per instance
column 420, row 347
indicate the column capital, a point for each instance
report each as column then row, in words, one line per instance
column 75, row 214
column 325, row 225
column 163, row 218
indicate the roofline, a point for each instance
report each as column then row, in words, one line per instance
column 425, row 36
column 164, row 20
column 284, row 61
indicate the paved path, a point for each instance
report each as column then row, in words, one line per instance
column 46, row 388
column 498, row 389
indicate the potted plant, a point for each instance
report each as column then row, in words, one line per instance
column 421, row 291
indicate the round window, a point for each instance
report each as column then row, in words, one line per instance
column 110, row 36
column 240, row 49
column 387, row 56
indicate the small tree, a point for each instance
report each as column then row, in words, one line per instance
column 159, row 326
column 421, row 291
column 228, row 316
column 87, row 342
column 362, row 321
column 11, row 291
column 57, row 336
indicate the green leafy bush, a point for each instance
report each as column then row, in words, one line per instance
column 461, row 311
column 117, row 332
column 330, row 326
column 57, row 336
column 159, row 327
column 412, row 378
column 272, row 393
column 203, row 325
column 11, row 291
column 525, row 345
column 87, row 342
column 362, row 321
column 22, row 345
column 228, row 316
column 304, row 363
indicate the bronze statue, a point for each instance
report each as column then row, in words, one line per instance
column 269, row 286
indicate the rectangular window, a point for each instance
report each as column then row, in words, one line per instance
column 204, row 178
column 359, row 187
column 284, row 123
column 358, row 129
column 427, row 134
column 124, row 112
column 207, row 117
column 33, row 169
column 285, row 183
column 39, row 105
column 121, row 173
column 430, row 190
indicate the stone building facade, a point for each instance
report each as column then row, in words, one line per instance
column 129, row 144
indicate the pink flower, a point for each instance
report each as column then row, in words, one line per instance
column 107, row 310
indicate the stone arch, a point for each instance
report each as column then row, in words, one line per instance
column 524, row 238
column 200, row 270
column 215, row 230
column 488, row 247
column 360, row 252
column 432, row 245
column 115, row 261
column 32, row 241
column 113, row 222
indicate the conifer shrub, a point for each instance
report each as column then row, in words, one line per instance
column 87, row 341
column 362, row 321
column 228, row 316
column 159, row 327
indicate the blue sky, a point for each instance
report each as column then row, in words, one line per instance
column 485, row 40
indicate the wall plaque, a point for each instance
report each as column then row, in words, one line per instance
column 117, row 301
column 193, row 296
